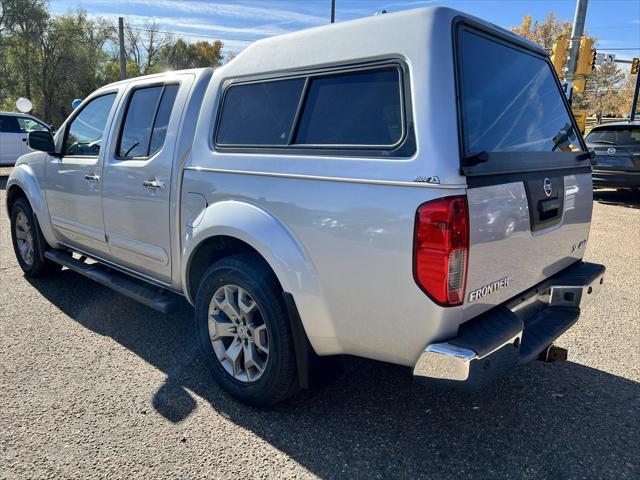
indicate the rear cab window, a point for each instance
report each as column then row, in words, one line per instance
column 513, row 115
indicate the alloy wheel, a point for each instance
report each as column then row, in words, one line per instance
column 238, row 333
column 24, row 238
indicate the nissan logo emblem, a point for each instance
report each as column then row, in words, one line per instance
column 547, row 187
column 611, row 151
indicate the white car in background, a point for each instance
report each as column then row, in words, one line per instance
column 14, row 128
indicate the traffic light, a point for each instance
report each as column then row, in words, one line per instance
column 634, row 65
column 559, row 54
column 586, row 57
column 579, row 85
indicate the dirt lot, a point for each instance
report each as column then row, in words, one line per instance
column 93, row 385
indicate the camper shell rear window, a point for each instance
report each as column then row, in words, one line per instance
column 512, row 110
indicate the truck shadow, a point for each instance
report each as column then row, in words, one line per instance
column 614, row 197
column 542, row 421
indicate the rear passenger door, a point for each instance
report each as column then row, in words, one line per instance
column 11, row 139
column 137, row 178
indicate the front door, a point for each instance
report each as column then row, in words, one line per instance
column 11, row 139
column 28, row 125
column 73, row 180
column 137, row 178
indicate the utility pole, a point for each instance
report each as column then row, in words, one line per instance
column 634, row 103
column 123, row 60
column 576, row 34
column 333, row 11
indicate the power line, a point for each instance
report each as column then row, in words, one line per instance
column 185, row 34
column 613, row 26
column 170, row 32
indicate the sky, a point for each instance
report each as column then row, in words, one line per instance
column 237, row 23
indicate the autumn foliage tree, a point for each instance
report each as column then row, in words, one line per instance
column 609, row 91
column 544, row 33
column 181, row 54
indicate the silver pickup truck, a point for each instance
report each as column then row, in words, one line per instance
column 409, row 188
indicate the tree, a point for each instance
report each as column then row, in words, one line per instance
column 71, row 54
column 608, row 92
column 154, row 42
column 21, row 25
column 53, row 59
column 50, row 59
column 181, row 55
column 143, row 45
column 111, row 70
column 30, row 23
column 544, row 33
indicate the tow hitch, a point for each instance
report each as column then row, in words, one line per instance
column 553, row 354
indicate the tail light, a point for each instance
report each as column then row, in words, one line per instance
column 441, row 249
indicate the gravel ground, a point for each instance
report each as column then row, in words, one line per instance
column 93, row 385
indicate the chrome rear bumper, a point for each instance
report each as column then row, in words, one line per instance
column 513, row 333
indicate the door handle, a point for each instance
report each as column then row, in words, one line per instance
column 549, row 205
column 92, row 178
column 154, row 183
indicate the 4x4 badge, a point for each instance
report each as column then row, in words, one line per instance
column 548, row 189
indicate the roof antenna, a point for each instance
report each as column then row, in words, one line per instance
column 381, row 12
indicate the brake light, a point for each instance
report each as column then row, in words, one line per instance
column 441, row 249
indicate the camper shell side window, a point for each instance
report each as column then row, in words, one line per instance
column 352, row 111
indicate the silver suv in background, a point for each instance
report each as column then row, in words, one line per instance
column 617, row 155
column 407, row 188
column 14, row 128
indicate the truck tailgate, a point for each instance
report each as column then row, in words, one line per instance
column 529, row 178
column 504, row 247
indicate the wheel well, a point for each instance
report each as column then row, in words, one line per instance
column 14, row 193
column 210, row 251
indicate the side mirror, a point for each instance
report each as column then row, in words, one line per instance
column 42, row 140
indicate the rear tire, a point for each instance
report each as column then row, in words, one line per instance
column 28, row 242
column 244, row 331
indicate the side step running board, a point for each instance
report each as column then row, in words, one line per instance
column 145, row 293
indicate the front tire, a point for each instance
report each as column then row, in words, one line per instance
column 28, row 242
column 244, row 332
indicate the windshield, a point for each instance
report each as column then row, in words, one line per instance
column 511, row 101
column 619, row 135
